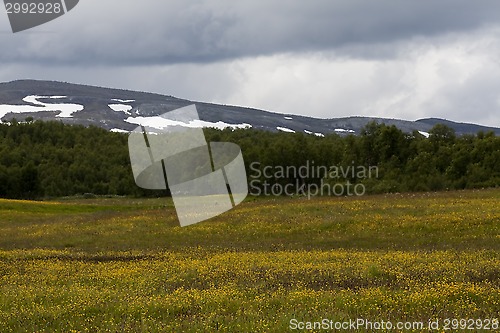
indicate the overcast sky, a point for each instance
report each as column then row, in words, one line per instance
column 321, row 58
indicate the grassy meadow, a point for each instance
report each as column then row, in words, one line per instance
column 124, row 265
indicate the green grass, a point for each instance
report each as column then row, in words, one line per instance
column 124, row 265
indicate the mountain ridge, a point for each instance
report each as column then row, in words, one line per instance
column 120, row 109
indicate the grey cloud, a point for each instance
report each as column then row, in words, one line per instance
column 125, row 32
column 477, row 100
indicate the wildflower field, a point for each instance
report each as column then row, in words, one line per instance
column 124, row 265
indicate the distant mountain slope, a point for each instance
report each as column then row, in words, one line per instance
column 122, row 110
column 460, row 128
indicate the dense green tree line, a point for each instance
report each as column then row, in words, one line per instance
column 45, row 159
column 50, row 159
column 404, row 161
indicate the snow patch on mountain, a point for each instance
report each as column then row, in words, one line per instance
column 121, row 108
column 158, row 122
column 66, row 109
column 123, row 100
column 118, row 130
column 317, row 134
column 341, row 130
column 284, row 129
column 424, row 133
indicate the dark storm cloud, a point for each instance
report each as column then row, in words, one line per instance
column 126, row 32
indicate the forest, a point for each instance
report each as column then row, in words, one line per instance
column 41, row 160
